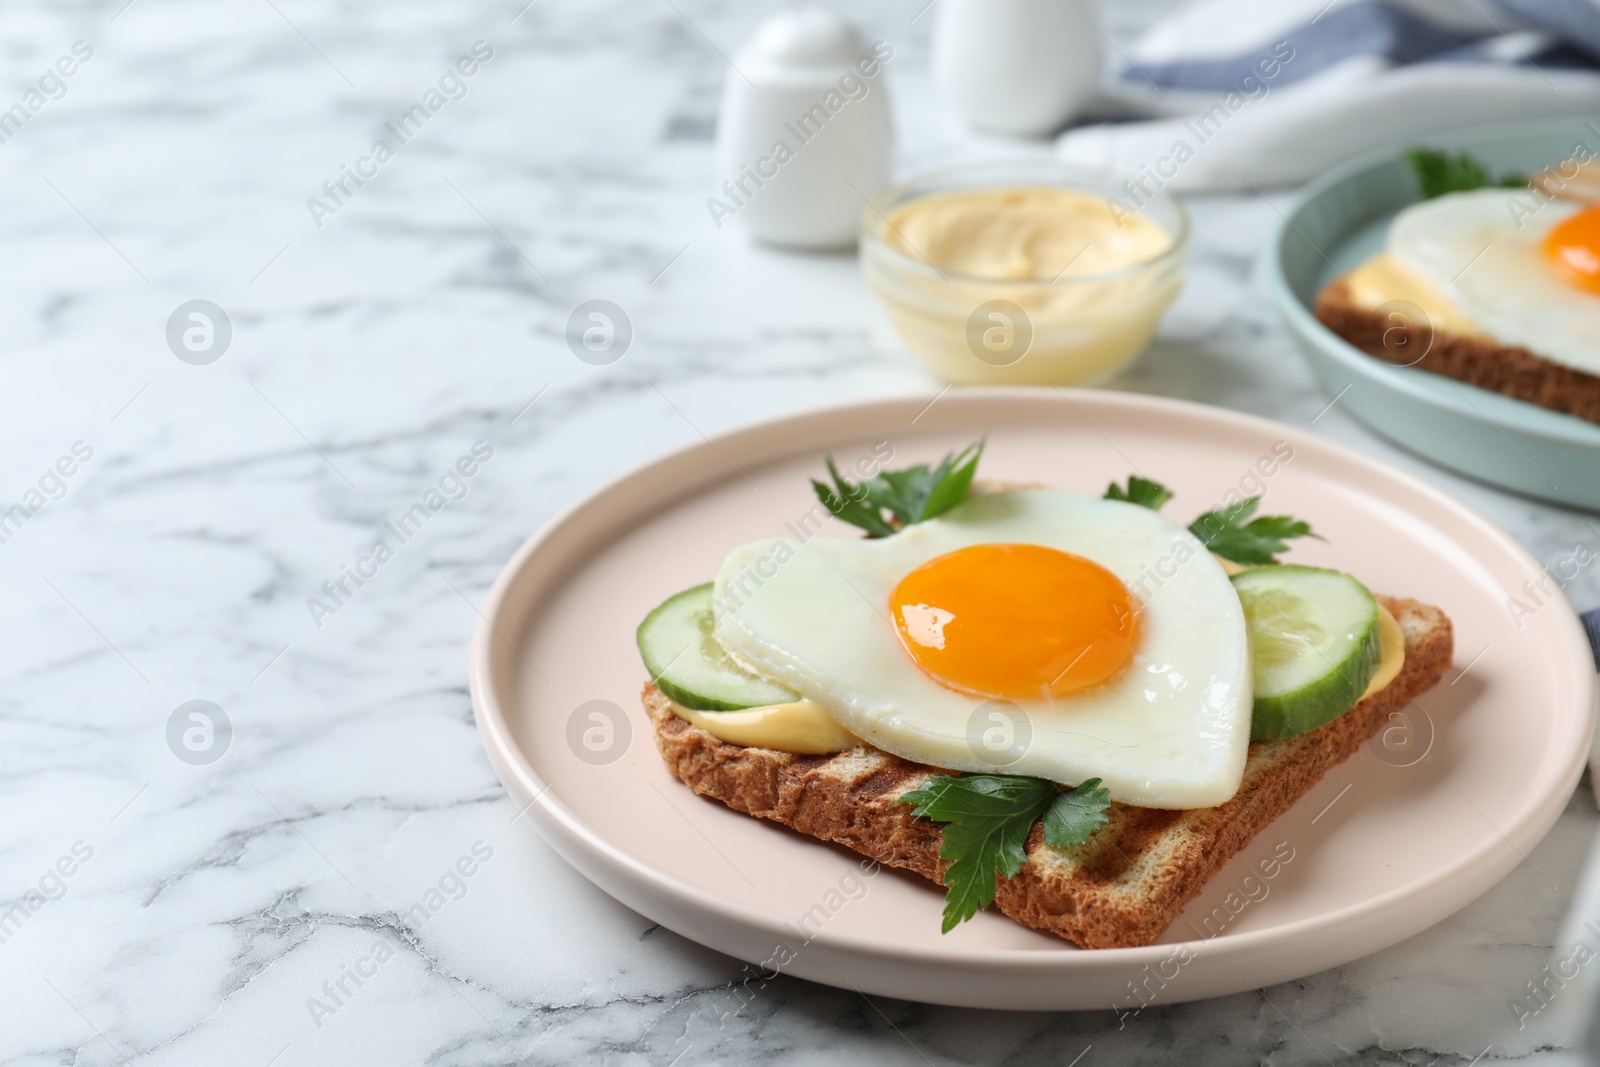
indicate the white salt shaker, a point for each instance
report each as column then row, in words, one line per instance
column 804, row 137
column 1019, row 67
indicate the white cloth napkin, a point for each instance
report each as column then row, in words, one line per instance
column 1230, row 93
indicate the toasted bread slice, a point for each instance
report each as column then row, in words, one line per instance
column 1121, row 888
column 1571, row 179
column 1480, row 361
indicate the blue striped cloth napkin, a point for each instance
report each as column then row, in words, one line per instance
column 1225, row 94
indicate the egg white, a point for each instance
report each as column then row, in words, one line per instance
column 1171, row 731
column 1482, row 250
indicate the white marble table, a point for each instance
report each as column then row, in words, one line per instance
column 183, row 913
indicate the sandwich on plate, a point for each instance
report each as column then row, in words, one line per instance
column 1069, row 706
column 1490, row 280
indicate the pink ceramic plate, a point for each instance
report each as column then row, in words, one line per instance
column 1428, row 816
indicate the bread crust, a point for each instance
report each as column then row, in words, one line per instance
column 1480, row 361
column 1121, row 888
column 1570, row 179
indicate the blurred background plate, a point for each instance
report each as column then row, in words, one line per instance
column 1339, row 221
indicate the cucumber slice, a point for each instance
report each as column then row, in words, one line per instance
column 1314, row 641
column 684, row 659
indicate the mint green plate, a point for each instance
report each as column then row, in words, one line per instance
column 1339, row 221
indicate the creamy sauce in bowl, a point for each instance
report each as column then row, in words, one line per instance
column 1026, row 283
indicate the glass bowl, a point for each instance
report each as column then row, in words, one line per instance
column 1075, row 329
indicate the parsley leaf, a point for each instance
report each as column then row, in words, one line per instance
column 988, row 817
column 1226, row 533
column 1074, row 815
column 952, row 480
column 915, row 494
column 1439, row 173
column 848, row 504
column 1140, row 491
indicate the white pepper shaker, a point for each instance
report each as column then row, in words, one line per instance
column 1019, row 67
column 804, row 135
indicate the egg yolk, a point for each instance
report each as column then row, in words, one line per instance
column 1573, row 245
column 1015, row 621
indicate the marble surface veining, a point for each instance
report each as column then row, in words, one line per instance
column 181, row 913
